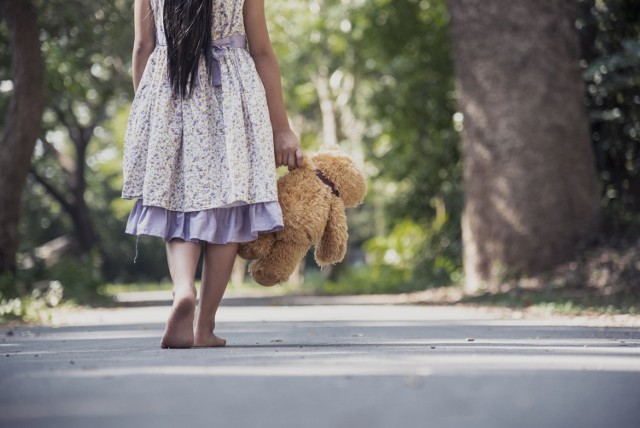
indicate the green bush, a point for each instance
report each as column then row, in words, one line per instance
column 8, row 288
column 81, row 280
column 24, row 309
column 406, row 259
column 364, row 280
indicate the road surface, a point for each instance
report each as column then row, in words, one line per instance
column 323, row 365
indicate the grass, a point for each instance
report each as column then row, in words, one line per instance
column 564, row 301
column 30, row 310
column 114, row 289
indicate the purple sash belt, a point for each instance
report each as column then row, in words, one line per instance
column 218, row 49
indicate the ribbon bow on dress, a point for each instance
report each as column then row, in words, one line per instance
column 218, row 50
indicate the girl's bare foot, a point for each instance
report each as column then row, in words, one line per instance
column 204, row 338
column 179, row 330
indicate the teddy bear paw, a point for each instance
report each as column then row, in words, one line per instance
column 267, row 279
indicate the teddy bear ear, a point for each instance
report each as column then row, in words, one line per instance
column 355, row 188
column 343, row 172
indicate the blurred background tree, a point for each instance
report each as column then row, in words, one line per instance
column 22, row 117
column 610, row 39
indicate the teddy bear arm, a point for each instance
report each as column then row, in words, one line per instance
column 333, row 244
column 259, row 248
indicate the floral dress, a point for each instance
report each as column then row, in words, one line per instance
column 202, row 168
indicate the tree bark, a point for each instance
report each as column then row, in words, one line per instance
column 87, row 238
column 22, row 122
column 530, row 180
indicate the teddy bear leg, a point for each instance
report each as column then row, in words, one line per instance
column 278, row 265
column 260, row 247
column 332, row 247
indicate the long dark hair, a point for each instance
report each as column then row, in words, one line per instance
column 187, row 26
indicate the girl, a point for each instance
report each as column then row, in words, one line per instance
column 206, row 131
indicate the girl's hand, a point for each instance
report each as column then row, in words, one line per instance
column 287, row 149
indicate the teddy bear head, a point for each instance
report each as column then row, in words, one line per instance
column 342, row 172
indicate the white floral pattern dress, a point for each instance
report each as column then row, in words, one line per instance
column 202, row 168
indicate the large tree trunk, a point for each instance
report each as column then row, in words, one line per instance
column 22, row 123
column 530, row 181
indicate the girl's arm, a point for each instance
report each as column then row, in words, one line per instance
column 286, row 144
column 145, row 39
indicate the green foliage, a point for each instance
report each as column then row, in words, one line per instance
column 395, row 261
column 80, row 280
column 74, row 279
column 360, row 280
column 31, row 307
column 391, row 261
column 398, row 249
column 8, row 288
column 87, row 47
column 23, row 309
column 412, row 141
column 610, row 32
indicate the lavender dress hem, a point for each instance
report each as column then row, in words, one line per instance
column 240, row 223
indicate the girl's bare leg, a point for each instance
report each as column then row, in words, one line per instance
column 216, row 270
column 182, row 258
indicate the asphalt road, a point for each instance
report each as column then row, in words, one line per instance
column 323, row 366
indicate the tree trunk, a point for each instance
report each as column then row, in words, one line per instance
column 87, row 238
column 530, row 181
column 72, row 198
column 329, row 127
column 22, row 123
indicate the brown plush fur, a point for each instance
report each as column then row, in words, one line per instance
column 312, row 215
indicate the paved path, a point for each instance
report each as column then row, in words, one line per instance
column 323, row 366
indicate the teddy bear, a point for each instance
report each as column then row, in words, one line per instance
column 313, row 200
